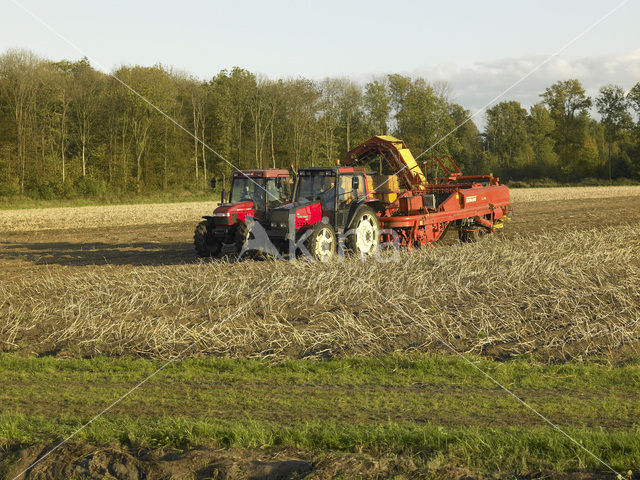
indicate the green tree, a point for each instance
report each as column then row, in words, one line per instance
column 633, row 97
column 424, row 121
column 613, row 106
column 470, row 158
column 86, row 85
column 569, row 107
column 377, row 101
column 301, row 105
column 19, row 85
column 540, row 128
column 350, row 103
column 507, row 137
column 330, row 116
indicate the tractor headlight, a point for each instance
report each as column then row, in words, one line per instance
column 278, row 225
column 221, row 214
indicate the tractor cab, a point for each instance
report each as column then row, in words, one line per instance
column 331, row 202
column 337, row 190
column 254, row 193
column 265, row 189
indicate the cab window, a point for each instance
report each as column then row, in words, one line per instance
column 346, row 193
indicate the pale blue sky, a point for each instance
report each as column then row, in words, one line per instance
column 480, row 48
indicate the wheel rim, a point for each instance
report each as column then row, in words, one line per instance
column 324, row 245
column 366, row 234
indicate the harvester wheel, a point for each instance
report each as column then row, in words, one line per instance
column 471, row 235
column 322, row 243
column 205, row 243
column 366, row 236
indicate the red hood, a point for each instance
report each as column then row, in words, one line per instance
column 230, row 213
column 240, row 207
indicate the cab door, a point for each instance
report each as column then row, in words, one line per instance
column 350, row 189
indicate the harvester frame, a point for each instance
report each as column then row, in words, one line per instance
column 414, row 215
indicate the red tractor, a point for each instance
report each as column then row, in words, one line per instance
column 254, row 193
column 396, row 204
column 328, row 203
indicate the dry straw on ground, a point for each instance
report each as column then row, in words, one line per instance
column 520, row 195
column 556, row 296
column 129, row 215
column 110, row 215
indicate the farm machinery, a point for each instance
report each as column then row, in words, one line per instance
column 254, row 193
column 381, row 194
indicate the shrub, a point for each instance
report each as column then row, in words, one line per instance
column 91, row 187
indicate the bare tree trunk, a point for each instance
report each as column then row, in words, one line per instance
column 84, row 167
column 195, row 141
column 141, row 142
column 204, row 156
column 256, row 130
column 610, row 181
column 21, row 156
column 124, row 154
column 83, row 139
column 22, row 169
column 348, row 132
column 164, row 171
column 273, row 154
column 63, row 160
column 110, row 155
column 63, row 137
column 239, row 144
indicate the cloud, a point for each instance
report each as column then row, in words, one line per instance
column 474, row 85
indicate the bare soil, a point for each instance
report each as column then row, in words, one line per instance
column 80, row 460
column 171, row 244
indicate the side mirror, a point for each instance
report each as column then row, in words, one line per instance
column 212, row 182
column 355, row 183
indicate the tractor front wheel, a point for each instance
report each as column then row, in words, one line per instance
column 322, row 243
column 243, row 236
column 205, row 243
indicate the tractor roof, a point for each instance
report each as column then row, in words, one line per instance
column 335, row 169
column 262, row 173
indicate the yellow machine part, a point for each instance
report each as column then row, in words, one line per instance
column 500, row 222
column 406, row 156
column 387, row 197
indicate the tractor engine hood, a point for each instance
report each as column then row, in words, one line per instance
column 230, row 213
column 304, row 214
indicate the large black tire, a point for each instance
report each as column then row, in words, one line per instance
column 472, row 234
column 366, row 237
column 242, row 235
column 322, row 243
column 205, row 243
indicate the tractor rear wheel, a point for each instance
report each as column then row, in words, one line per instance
column 322, row 243
column 365, row 238
column 205, row 243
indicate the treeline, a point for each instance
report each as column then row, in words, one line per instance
column 67, row 129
